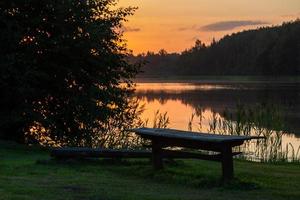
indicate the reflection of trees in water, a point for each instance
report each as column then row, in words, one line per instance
column 259, row 120
column 286, row 97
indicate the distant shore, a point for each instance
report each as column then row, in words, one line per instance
column 219, row 79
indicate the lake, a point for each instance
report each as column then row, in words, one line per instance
column 182, row 102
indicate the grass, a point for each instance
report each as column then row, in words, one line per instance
column 28, row 173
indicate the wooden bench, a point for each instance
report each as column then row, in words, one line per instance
column 76, row 152
column 161, row 138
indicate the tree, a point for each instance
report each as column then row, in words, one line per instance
column 270, row 51
column 198, row 46
column 62, row 64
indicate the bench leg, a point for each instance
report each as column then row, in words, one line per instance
column 157, row 155
column 227, row 163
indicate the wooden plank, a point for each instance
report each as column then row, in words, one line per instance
column 187, row 135
column 112, row 153
column 190, row 155
column 96, row 153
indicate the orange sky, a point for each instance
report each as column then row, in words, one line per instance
column 174, row 25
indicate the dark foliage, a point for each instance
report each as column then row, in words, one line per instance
column 62, row 62
column 265, row 51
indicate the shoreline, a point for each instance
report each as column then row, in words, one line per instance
column 220, row 79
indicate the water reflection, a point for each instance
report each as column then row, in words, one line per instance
column 179, row 87
column 182, row 101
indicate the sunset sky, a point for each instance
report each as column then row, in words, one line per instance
column 174, row 25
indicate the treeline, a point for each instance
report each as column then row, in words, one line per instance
column 264, row 51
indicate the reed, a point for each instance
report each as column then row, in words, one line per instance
column 258, row 120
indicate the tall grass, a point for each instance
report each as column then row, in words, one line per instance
column 161, row 120
column 258, row 120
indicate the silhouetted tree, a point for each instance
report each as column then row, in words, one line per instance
column 61, row 65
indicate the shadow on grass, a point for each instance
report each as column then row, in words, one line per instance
column 174, row 173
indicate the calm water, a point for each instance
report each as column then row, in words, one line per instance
column 181, row 100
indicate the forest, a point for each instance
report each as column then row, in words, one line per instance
column 267, row 51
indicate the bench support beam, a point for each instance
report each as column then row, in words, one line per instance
column 227, row 163
column 157, row 155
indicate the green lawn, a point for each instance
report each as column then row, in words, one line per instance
column 28, row 173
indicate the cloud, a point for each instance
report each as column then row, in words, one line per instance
column 229, row 25
column 194, row 27
column 130, row 29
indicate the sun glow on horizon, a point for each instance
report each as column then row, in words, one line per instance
column 174, row 25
